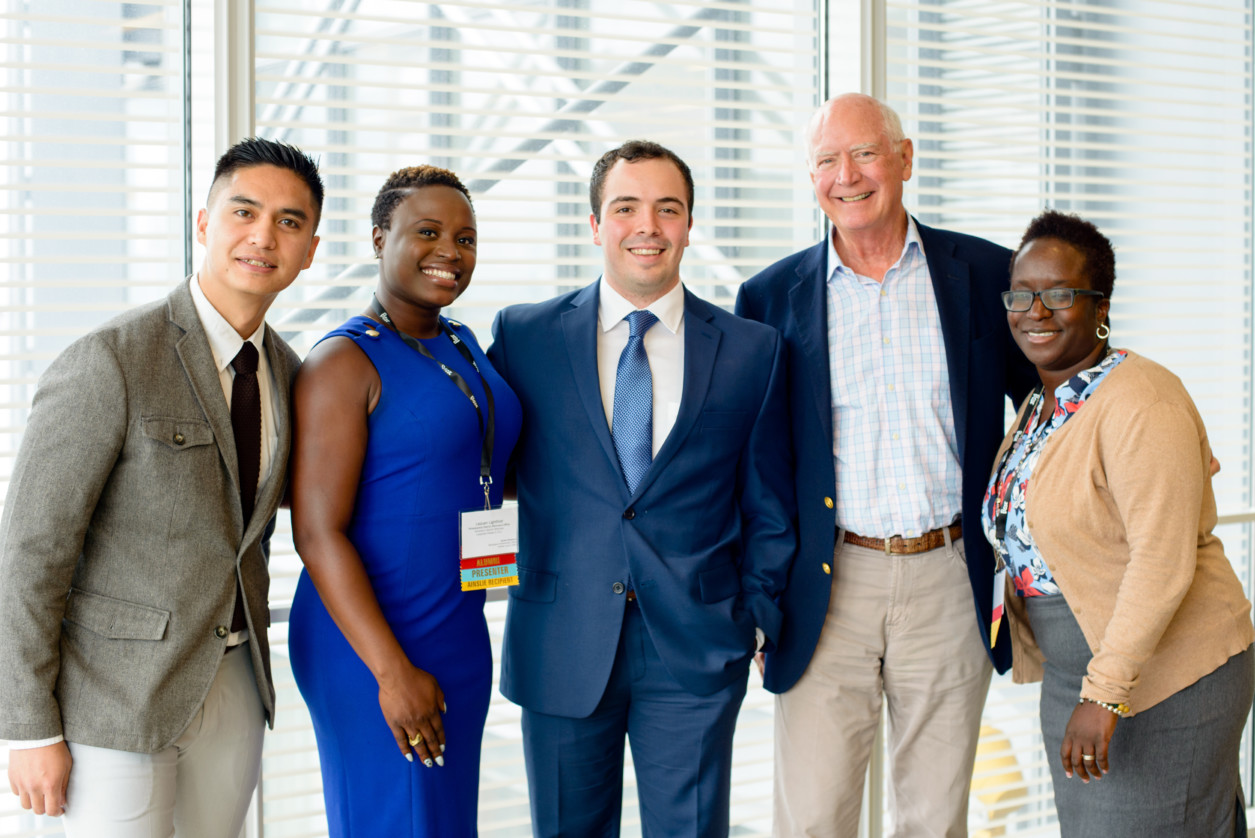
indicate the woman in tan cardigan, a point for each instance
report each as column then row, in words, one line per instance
column 1119, row 596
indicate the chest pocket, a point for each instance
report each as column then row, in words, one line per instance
column 723, row 420
column 177, row 434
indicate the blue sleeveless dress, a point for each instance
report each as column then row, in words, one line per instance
column 421, row 468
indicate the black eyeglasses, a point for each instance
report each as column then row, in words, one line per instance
column 1052, row 298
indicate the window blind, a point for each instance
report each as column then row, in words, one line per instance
column 520, row 100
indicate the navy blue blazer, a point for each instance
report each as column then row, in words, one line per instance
column 985, row 368
column 707, row 538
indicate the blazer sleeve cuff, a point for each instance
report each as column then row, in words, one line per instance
column 767, row 617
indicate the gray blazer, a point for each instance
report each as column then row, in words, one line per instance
column 122, row 536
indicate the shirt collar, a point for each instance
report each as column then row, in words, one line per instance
column 224, row 340
column 1080, row 386
column 612, row 307
column 912, row 238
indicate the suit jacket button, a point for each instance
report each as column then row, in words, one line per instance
column 618, row 588
column 828, row 502
column 178, row 439
column 629, row 514
column 827, row 568
column 221, row 631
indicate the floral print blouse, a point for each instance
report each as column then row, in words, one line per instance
column 1028, row 570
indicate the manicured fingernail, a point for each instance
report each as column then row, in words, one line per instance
column 440, row 761
column 442, row 747
column 427, row 763
column 444, row 708
column 409, row 757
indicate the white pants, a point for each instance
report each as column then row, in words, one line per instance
column 900, row 630
column 199, row 787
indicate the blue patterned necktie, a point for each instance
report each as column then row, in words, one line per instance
column 633, row 420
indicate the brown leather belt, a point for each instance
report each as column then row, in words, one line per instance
column 905, row 546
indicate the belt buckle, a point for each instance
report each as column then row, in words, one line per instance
column 888, row 544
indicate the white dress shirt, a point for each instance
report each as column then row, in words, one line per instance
column 224, row 343
column 664, row 345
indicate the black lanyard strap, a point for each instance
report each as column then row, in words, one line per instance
column 1003, row 498
column 486, row 428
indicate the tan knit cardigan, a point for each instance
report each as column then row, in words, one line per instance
column 1120, row 505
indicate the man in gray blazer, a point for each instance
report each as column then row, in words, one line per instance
column 136, row 532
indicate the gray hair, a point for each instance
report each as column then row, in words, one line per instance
column 888, row 116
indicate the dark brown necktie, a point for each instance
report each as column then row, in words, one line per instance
column 246, row 424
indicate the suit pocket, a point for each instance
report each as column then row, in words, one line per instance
column 179, row 434
column 535, row 586
column 115, row 619
column 723, row 420
column 719, row 583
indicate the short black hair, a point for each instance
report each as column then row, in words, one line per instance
column 403, row 181
column 257, row 151
column 1100, row 256
column 631, row 151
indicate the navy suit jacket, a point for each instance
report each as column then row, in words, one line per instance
column 985, row 368
column 707, row 538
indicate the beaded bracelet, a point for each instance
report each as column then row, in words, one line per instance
column 1120, row 710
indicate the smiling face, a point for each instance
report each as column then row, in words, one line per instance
column 644, row 228
column 427, row 254
column 856, row 168
column 258, row 233
column 1060, row 343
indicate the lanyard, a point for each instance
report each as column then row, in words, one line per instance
column 1003, row 498
column 485, row 430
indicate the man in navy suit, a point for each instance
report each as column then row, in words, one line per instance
column 900, row 363
column 655, row 502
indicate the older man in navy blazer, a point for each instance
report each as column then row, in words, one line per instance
column 656, row 502
column 900, row 363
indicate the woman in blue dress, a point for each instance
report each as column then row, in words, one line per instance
column 390, row 654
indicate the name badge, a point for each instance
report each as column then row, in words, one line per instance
column 490, row 543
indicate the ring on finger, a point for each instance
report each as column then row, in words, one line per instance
column 1087, row 757
column 416, row 740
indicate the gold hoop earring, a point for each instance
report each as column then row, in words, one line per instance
column 1103, row 331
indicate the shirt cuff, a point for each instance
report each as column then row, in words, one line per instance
column 760, row 640
column 28, row 744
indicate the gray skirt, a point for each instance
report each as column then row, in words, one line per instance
column 1173, row 767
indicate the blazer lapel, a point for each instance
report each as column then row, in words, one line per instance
column 952, row 289
column 198, row 364
column 579, row 328
column 701, row 345
column 809, row 300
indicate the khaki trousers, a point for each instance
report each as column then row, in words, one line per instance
column 901, row 631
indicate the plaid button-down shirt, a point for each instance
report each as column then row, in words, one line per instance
column 894, row 444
